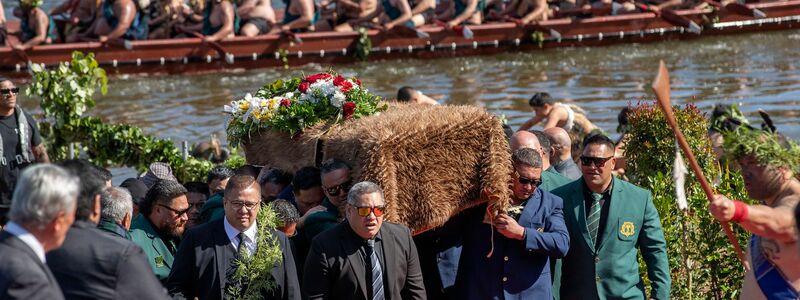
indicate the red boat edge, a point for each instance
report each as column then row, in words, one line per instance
column 191, row 55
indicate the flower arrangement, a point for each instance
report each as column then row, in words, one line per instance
column 293, row 105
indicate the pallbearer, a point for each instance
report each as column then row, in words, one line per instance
column 767, row 168
column 608, row 219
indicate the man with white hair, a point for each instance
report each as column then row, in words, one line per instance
column 42, row 211
column 116, row 211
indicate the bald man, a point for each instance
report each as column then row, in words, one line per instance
column 561, row 155
column 550, row 178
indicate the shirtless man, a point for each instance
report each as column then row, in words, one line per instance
column 555, row 114
column 466, row 12
column 80, row 15
column 395, row 12
column 526, row 11
column 773, row 253
column 299, row 16
column 257, row 16
column 409, row 94
column 120, row 19
column 36, row 27
column 218, row 21
column 422, row 11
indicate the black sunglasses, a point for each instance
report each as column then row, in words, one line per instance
column 9, row 91
column 177, row 212
column 597, row 161
column 534, row 182
column 335, row 190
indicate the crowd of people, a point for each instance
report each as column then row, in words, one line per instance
column 575, row 230
column 112, row 21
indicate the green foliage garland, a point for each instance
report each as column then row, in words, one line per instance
column 703, row 264
column 363, row 44
column 766, row 147
column 538, row 38
column 256, row 269
column 66, row 94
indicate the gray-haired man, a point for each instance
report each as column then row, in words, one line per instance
column 116, row 211
column 42, row 211
column 364, row 257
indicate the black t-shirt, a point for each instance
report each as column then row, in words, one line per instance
column 12, row 148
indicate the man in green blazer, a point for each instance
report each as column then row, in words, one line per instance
column 608, row 219
column 159, row 226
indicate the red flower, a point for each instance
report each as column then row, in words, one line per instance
column 348, row 108
column 286, row 102
column 358, row 82
column 342, row 83
column 303, row 86
column 317, row 77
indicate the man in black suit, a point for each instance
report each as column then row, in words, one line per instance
column 364, row 258
column 93, row 264
column 42, row 211
column 206, row 259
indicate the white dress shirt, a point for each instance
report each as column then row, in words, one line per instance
column 26, row 238
column 249, row 234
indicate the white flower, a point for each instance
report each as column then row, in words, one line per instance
column 338, row 99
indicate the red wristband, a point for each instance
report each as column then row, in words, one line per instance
column 740, row 211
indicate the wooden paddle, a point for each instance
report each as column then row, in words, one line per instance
column 661, row 88
column 673, row 18
column 214, row 45
column 13, row 41
column 738, row 8
column 463, row 30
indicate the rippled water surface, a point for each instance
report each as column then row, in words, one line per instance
column 757, row 70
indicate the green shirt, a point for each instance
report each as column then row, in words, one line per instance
column 552, row 180
column 318, row 222
column 213, row 209
column 160, row 252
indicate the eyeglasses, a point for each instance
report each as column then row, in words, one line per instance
column 9, row 91
column 366, row 210
column 177, row 212
column 534, row 182
column 247, row 205
column 597, row 161
column 335, row 190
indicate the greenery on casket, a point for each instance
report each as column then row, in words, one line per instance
column 298, row 103
column 66, row 93
column 702, row 261
column 256, row 270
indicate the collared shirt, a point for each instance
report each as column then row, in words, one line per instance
column 26, row 238
column 568, row 168
column 604, row 202
column 249, row 233
column 378, row 248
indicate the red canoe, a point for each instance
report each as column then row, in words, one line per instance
column 191, row 55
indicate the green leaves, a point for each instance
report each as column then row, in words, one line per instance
column 67, row 92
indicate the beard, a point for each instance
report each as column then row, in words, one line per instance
column 174, row 229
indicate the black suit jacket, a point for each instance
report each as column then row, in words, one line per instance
column 203, row 259
column 22, row 274
column 335, row 269
column 92, row 264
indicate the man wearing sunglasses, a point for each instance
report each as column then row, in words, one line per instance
column 160, row 224
column 550, row 178
column 608, row 219
column 526, row 237
column 364, row 257
column 336, row 181
column 21, row 143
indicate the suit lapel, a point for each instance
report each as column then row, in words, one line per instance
column 613, row 212
column 389, row 255
column 221, row 245
column 352, row 246
column 580, row 213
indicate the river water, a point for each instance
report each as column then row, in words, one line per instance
column 759, row 70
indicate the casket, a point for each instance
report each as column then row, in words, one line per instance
column 432, row 161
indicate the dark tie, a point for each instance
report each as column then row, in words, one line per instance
column 374, row 267
column 593, row 220
column 242, row 251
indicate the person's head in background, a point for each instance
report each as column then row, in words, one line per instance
column 287, row 216
column 273, row 181
column 410, row 95
column 197, row 195
column 217, row 179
